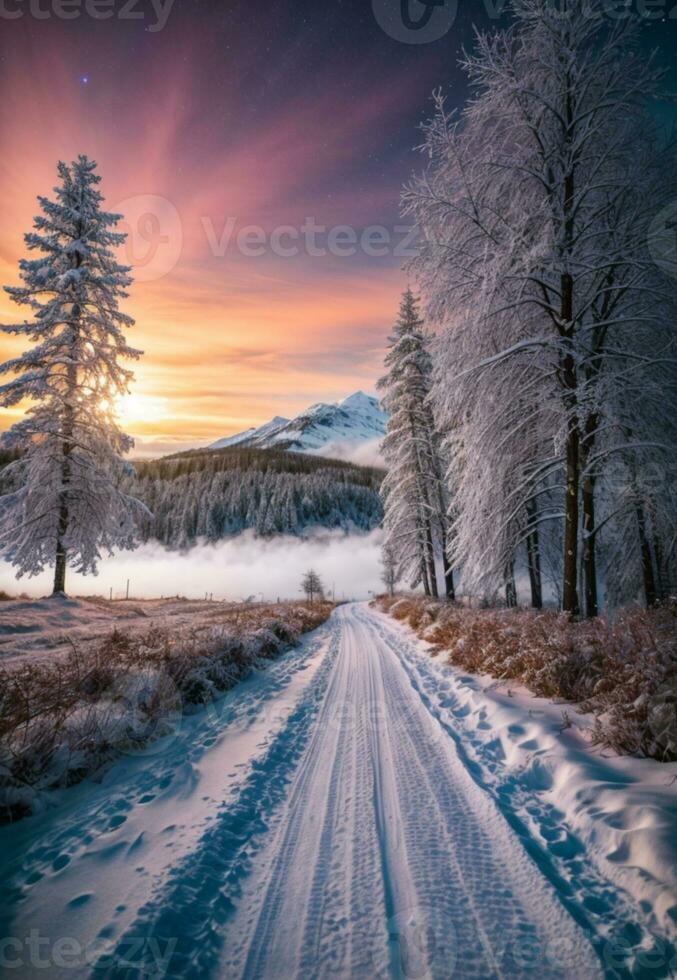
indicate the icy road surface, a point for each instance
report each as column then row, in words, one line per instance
column 322, row 820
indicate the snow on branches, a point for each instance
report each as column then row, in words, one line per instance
column 413, row 491
column 62, row 503
column 555, row 371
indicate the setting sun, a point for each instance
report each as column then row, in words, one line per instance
column 134, row 408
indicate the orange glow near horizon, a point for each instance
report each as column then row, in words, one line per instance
column 230, row 339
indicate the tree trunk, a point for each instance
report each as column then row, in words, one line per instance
column 589, row 562
column 510, row 587
column 570, row 558
column 570, row 382
column 662, row 588
column 430, row 557
column 650, row 593
column 60, row 562
column 589, row 550
column 449, row 589
column 62, row 527
column 534, row 557
column 424, row 577
column 429, row 544
column 67, row 442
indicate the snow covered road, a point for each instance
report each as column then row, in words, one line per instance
column 325, row 822
column 388, row 858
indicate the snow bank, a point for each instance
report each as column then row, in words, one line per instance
column 536, row 758
column 624, row 670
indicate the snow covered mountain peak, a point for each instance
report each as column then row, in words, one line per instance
column 358, row 399
column 334, row 429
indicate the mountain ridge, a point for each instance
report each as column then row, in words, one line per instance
column 323, row 429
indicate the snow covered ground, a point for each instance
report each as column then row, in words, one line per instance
column 355, row 810
column 42, row 629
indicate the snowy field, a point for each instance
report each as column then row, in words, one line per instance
column 354, row 810
column 44, row 629
column 234, row 568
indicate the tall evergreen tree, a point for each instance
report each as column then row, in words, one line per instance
column 64, row 504
column 413, row 491
column 534, row 216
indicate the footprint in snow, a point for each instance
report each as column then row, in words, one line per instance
column 79, row 900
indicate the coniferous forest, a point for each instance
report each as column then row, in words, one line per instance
column 211, row 495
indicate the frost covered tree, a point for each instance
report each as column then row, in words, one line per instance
column 534, row 215
column 64, row 504
column 311, row 584
column 414, row 497
column 213, row 495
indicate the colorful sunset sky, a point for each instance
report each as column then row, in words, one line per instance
column 232, row 114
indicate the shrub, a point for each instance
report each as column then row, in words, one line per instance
column 61, row 721
column 623, row 670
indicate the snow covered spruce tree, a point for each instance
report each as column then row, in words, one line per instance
column 534, row 223
column 413, row 492
column 63, row 503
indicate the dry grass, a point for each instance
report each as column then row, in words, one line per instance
column 61, row 720
column 624, row 670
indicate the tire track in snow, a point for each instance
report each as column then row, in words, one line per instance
column 464, row 861
column 309, row 911
column 435, row 883
column 83, row 869
column 629, row 946
column 364, row 844
column 188, row 912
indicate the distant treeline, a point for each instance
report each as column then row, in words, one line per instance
column 212, row 494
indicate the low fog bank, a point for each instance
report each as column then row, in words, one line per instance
column 361, row 453
column 234, row 568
